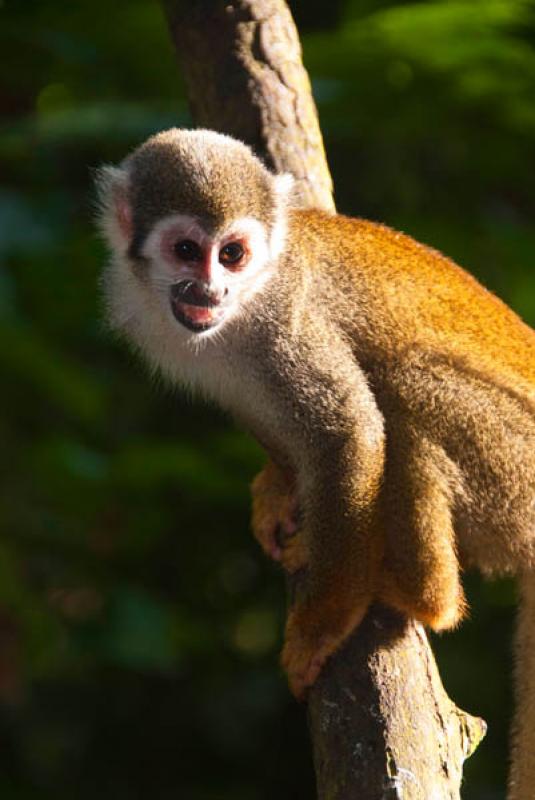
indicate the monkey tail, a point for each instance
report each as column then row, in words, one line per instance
column 522, row 777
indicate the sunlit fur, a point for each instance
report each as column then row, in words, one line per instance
column 395, row 395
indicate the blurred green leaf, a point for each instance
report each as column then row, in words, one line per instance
column 38, row 366
column 138, row 631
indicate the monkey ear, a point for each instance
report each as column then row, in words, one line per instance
column 115, row 211
column 284, row 185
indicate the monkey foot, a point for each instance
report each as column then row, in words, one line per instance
column 442, row 618
column 439, row 613
column 303, row 662
column 305, row 653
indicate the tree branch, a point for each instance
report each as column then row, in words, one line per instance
column 381, row 723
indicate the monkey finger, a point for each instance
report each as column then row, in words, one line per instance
column 294, row 553
column 291, row 516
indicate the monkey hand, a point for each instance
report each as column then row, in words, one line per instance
column 275, row 518
column 310, row 641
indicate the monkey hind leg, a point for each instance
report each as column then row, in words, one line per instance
column 522, row 774
column 421, row 574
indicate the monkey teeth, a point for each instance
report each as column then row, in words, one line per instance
column 198, row 315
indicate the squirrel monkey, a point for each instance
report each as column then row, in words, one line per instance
column 394, row 394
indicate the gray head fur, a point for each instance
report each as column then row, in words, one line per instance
column 182, row 171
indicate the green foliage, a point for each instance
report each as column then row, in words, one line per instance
column 139, row 624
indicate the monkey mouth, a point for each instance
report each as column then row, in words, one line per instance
column 194, row 307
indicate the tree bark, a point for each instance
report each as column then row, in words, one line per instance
column 244, row 76
column 381, row 723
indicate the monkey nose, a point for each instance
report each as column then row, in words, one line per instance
column 195, row 293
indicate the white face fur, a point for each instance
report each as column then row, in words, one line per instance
column 176, row 306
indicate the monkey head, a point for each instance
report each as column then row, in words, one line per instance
column 194, row 222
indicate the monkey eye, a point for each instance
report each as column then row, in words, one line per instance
column 231, row 254
column 188, row 250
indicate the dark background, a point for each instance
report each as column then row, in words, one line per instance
column 139, row 623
